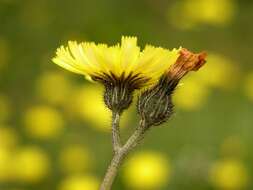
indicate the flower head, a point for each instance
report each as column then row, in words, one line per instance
column 121, row 68
column 155, row 105
column 104, row 63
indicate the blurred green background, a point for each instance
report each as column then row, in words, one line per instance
column 54, row 129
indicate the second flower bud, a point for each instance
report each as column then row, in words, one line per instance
column 155, row 104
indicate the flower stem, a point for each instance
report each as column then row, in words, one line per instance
column 120, row 153
column 135, row 138
column 111, row 172
column 115, row 131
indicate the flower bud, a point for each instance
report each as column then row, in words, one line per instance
column 118, row 93
column 155, row 104
column 117, row 98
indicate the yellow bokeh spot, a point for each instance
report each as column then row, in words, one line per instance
column 147, row 170
column 5, row 108
column 248, row 86
column 5, row 164
column 80, row 182
column 43, row 122
column 219, row 72
column 31, row 164
column 53, row 87
column 75, row 159
column 191, row 13
column 210, row 11
column 8, row 137
column 229, row 175
column 88, row 104
column 191, row 94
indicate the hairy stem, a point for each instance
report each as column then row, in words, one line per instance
column 115, row 131
column 135, row 138
column 111, row 171
column 119, row 154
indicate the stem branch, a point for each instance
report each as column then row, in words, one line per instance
column 120, row 152
column 135, row 138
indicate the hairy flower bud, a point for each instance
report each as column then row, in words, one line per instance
column 155, row 104
column 118, row 93
column 117, row 98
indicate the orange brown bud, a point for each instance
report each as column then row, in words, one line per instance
column 187, row 61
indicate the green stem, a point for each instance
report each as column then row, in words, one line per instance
column 135, row 138
column 111, row 172
column 119, row 155
column 115, row 131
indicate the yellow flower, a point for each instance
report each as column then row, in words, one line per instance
column 121, row 68
column 31, row 164
column 147, row 170
column 123, row 62
column 229, row 174
column 43, row 122
column 79, row 182
column 75, row 158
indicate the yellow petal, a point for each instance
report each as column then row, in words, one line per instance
column 92, row 59
column 129, row 53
